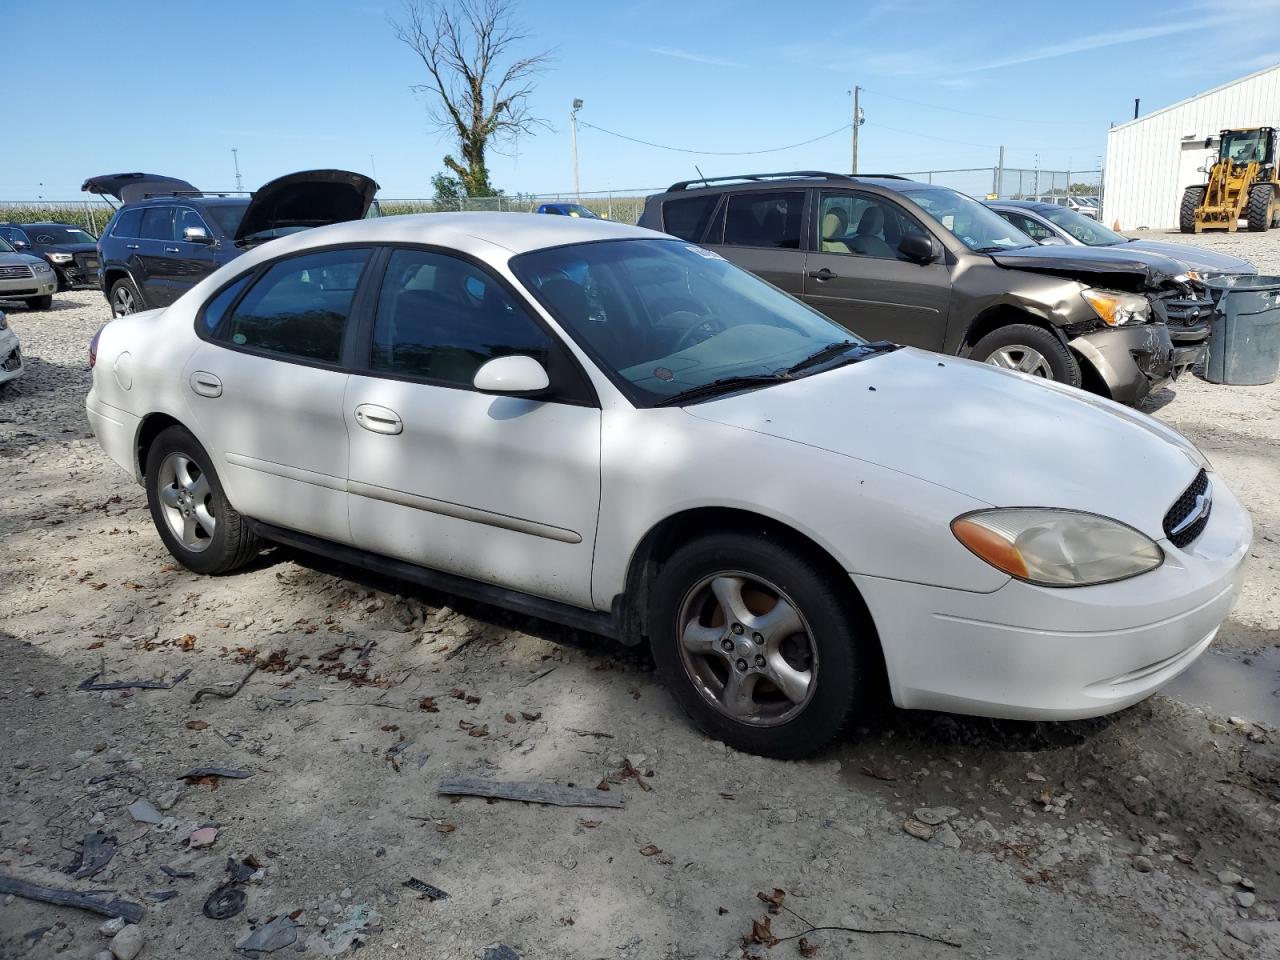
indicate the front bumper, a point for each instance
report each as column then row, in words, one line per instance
column 20, row 288
column 11, row 362
column 1033, row 653
column 1134, row 360
column 80, row 272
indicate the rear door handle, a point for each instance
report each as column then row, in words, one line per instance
column 823, row 274
column 172, row 250
column 378, row 419
column 206, row 384
column 131, row 246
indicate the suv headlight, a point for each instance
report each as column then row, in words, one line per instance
column 59, row 257
column 1115, row 308
column 41, row 267
column 1057, row 548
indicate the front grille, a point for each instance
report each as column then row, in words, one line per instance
column 1195, row 501
column 13, row 273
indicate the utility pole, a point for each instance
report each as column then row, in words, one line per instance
column 235, row 158
column 1136, row 102
column 857, row 122
column 997, row 180
column 573, row 118
column 373, row 168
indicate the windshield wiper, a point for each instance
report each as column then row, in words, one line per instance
column 723, row 385
column 832, row 350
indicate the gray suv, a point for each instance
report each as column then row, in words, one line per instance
column 894, row 259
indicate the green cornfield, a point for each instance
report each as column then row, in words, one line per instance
column 91, row 216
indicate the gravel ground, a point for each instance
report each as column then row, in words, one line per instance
column 1148, row 834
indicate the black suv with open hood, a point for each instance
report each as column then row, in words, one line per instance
column 168, row 236
column 914, row 263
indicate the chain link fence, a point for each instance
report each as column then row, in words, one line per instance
column 1014, row 183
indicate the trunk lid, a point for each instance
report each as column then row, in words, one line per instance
column 132, row 187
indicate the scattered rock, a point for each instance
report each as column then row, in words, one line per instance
column 787, row 815
column 983, row 830
column 935, row 815
column 1228, row 878
column 1142, row 864
column 143, row 811
column 947, row 837
column 499, row 951
column 127, row 944
column 113, row 926
column 921, row 831
column 1245, row 898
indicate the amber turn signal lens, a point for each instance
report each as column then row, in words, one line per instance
column 990, row 546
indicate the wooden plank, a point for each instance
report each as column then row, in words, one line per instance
column 97, row 903
column 530, row 791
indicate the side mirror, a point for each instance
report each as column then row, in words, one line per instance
column 20, row 244
column 917, row 247
column 196, row 235
column 1052, row 242
column 514, row 376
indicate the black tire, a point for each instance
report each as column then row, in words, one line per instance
column 1192, row 197
column 1258, row 212
column 231, row 544
column 40, row 303
column 841, row 634
column 125, row 298
column 1062, row 364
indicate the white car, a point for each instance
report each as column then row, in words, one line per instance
column 614, row 429
column 11, row 366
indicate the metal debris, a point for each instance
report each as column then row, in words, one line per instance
column 280, row 932
column 227, row 772
column 427, row 890
column 225, row 902
column 95, row 903
column 132, row 684
column 96, row 851
column 143, row 811
column 531, row 791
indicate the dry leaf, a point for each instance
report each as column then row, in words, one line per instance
column 807, row 949
column 510, row 718
column 428, row 704
column 649, row 850
column 879, row 774
column 762, row 932
column 389, row 728
column 187, row 641
column 531, row 716
column 96, row 645
column 478, row 732
column 197, row 724
column 445, row 828
column 603, row 784
column 589, row 824
column 774, row 900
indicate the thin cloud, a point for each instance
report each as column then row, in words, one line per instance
column 694, row 57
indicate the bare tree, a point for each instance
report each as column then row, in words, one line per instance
column 479, row 87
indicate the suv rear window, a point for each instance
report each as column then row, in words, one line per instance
column 687, row 218
column 128, row 224
column 764, row 220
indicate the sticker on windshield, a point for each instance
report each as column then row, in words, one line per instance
column 703, row 252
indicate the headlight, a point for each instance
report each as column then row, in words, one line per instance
column 1115, row 308
column 4, row 322
column 1057, row 548
column 41, row 267
column 59, row 257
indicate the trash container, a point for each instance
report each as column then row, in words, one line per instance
column 1244, row 339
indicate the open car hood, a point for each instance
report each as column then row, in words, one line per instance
column 310, row 198
column 1143, row 268
column 132, row 187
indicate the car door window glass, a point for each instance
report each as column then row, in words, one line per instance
column 129, row 224
column 300, row 306
column 157, row 223
column 187, row 218
column 863, row 225
column 216, row 309
column 1035, row 230
column 13, row 235
column 764, row 220
column 687, row 218
column 441, row 318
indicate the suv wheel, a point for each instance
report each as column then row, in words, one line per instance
column 1028, row 349
column 196, row 522
column 125, row 298
column 759, row 645
column 40, row 303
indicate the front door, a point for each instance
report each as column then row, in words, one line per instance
column 500, row 489
column 855, row 275
column 762, row 232
column 266, row 386
column 191, row 262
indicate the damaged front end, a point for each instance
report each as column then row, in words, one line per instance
column 1147, row 323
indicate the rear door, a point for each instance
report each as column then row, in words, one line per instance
column 154, row 249
column 763, row 231
column 855, row 275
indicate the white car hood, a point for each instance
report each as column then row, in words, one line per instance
column 1000, row 437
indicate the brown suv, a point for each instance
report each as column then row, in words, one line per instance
column 894, row 259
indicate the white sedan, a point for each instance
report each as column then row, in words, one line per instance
column 617, row 430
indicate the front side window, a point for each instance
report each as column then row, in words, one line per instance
column 441, row 319
column 14, row 235
column 687, row 218
column 1034, row 230
column 185, row 219
column 978, row 227
column 299, row 307
column 157, row 223
column 764, row 219
column 128, row 224
column 862, row 225
column 664, row 316
column 1085, row 229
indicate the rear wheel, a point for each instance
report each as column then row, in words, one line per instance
column 1258, row 213
column 40, row 303
column 761, row 646
column 1192, row 197
column 1028, row 349
column 125, row 298
column 196, row 522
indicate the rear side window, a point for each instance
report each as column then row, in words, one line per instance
column 157, row 223
column 300, row 306
column 216, row 308
column 128, row 225
column 764, row 220
column 687, row 218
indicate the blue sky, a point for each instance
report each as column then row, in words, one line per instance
column 172, row 87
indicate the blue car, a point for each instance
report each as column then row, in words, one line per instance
column 569, row 210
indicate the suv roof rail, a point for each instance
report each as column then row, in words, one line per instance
column 784, row 175
column 198, row 193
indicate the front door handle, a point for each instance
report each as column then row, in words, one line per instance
column 822, row 275
column 131, row 246
column 172, row 250
column 206, row 384
column 378, row 419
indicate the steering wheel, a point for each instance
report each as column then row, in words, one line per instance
column 709, row 324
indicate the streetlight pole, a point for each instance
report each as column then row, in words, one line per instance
column 235, row 158
column 857, row 122
column 573, row 119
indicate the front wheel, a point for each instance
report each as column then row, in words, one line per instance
column 1028, row 349
column 1192, row 197
column 762, row 647
column 40, row 303
column 1258, row 213
column 189, row 508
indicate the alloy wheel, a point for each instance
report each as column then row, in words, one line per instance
column 186, row 500
column 747, row 649
column 123, row 302
column 1022, row 358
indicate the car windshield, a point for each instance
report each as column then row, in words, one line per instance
column 663, row 317
column 228, row 215
column 977, row 227
column 6, row 246
column 1085, row 229
column 61, row 234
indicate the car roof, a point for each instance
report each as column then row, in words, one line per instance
column 40, row 223
column 1021, row 204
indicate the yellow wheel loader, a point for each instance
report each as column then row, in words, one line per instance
column 1243, row 185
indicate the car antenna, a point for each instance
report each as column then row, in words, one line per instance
column 702, row 175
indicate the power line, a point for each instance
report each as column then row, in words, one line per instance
column 717, row 153
column 972, row 113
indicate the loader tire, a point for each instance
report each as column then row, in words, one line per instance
column 1258, row 213
column 1192, row 197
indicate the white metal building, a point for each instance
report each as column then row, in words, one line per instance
column 1150, row 160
